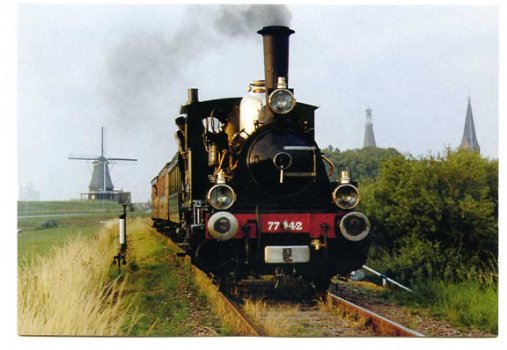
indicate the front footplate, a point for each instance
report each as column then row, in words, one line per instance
column 287, row 254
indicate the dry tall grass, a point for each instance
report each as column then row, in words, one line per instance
column 70, row 292
column 274, row 319
column 358, row 321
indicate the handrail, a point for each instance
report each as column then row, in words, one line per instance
column 385, row 278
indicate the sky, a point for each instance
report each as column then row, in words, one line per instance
column 127, row 68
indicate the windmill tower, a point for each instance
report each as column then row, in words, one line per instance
column 101, row 187
column 469, row 140
column 369, row 137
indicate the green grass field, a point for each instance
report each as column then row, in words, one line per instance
column 65, row 207
column 46, row 224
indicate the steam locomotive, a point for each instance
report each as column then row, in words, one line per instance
column 251, row 192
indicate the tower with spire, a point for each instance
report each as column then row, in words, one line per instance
column 469, row 140
column 369, row 137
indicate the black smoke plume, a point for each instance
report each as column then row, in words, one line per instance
column 237, row 20
column 146, row 67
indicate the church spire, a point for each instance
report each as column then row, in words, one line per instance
column 469, row 140
column 369, row 137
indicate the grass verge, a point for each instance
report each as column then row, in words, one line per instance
column 470, row 304
column 160, row 287
column 73, row 289
column 69, row 291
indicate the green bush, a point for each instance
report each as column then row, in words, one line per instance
column 412, row 257
column 438, row 212
column 435, row 228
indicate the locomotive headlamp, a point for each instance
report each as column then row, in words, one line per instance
column 281, row 101
column 355, row 226
column 222, row 226
column 346, row 196
column 221, row 196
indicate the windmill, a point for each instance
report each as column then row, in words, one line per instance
column 101, row 186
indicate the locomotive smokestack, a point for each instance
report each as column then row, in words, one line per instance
column 193, row 96
column 276, row 54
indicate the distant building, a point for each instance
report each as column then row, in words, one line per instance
column 369, row 137
column 27, row 192
column 469, row 140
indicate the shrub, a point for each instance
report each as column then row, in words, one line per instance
column 447, row 203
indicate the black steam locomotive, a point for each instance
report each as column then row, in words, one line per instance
column 250, row 192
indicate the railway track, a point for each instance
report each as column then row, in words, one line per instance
column 303, row 319
column 381, row 325
column 332, row 316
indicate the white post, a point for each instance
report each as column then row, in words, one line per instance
column 122, row 230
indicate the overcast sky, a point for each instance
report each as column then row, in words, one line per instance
column 127, row 68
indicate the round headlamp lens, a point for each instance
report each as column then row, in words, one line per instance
column 221, row 197
column 282, row 101
column 355, row 226
column 222, row 226
column 346, row 196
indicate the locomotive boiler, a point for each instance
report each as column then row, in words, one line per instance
column 250, row 192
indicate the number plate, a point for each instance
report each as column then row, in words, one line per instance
column 285, row 223
column 286, row 254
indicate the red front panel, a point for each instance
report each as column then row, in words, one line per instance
column 288, row 222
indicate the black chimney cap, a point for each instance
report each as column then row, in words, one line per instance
column 270, row 30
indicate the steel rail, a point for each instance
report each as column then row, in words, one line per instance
column 235, row 315
column 241, row 321
column 379, row 323
column 248, row 327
